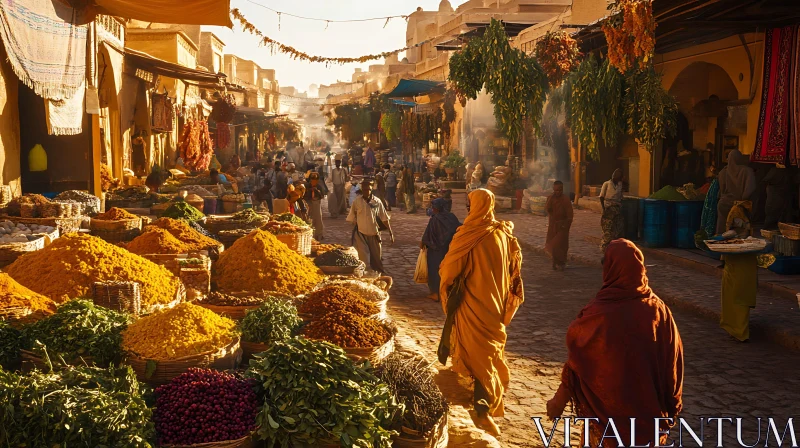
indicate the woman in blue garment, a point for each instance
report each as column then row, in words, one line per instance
column 441, row 228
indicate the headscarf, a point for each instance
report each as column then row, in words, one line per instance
column 625, row 353
column 441, row 227
column 479, row 223
column 740, row 178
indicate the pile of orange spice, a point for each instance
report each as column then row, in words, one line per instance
column 180, row 229
column 13, row 295
column 115, row 214
column 156, row 240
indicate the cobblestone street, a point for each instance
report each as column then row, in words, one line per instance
column 722, row 378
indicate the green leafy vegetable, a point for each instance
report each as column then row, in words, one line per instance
column 10, row 343
column 275, row 320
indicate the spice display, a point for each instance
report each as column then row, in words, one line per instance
column 351, row 406
column 10, row 344
column 18, row 232
column 198, row 190
column 348, row 330
column 336, row 299
column 259, row 262
column 411, row 381
column 185, row 233
column 275, row 320
column 558, row 53
column 282, row 228
column 217, row 406
column 202, row 231
column 69, row 265
column 14, row 295
column 196, row 146
column 132, row 194
column 217, row 298
column 337, row 257
column 290, row 217
column 79, row 329
column 155, row 240
column 184, row 330
column 115, row 214
column 90, row 202
column 318, row 249
column 249, row 216
column 14, row 208
column 183, row 210
column 235, row 197
column 631, row 34
column 363, row 289
column 75, row 406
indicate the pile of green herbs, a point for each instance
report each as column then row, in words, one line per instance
column 314, row 394
column 183, row 210
column 290, row 217
column 78, row 329
column 10, row 344
column 275, row 320
column 76, row 406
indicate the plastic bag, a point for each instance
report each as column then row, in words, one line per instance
column 421, row 272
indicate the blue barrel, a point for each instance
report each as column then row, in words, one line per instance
column 630, row 213
column 656, row 223
column 687, row 220
column 209, row 206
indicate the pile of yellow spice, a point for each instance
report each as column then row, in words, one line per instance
column 69, row 266
column 259, row 262
column 178, row 332
column 192, row 239
column 13, row 295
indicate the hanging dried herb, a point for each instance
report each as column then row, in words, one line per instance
column 558, row 54
column 631, row 34
column 651, row 111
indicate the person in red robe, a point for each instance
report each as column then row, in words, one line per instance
column 559, row 217
column 625, row 356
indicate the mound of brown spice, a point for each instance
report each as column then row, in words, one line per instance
column 115, row 214
column 259, row 262
column 348, row 330
column 336, row 299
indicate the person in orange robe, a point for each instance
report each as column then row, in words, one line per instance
column 625, row 355
column 486, row 259
column 559, row 218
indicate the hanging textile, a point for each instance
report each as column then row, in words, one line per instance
column 46, row 53
column 65, row 117
column 772, row 139
column 163, row 113
column 185, row 12
column 794, row 94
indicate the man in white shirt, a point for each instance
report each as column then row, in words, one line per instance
column 367, row 213
column 337, row 202
column 612, row 222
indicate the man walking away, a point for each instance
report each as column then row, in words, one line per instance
column 337, row 202
column 612, row 222
column 368, row 216
column 559, row 217
column 391, row 186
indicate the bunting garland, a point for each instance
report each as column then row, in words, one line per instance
column 299, row 55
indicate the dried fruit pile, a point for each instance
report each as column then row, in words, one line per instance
column 335, row 299
column 69, row 266
column 182, row 331
column 259, row 262
column 204, row 405
column 631, row 34
column 348, row 330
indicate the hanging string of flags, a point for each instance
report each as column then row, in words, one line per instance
column 327, row 21
column 276, row 46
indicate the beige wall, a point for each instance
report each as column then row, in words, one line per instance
column 9, row 127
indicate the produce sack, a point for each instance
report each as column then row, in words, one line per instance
column 421, row 272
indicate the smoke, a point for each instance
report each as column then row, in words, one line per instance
column 541, row 174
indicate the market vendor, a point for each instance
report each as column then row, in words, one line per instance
column 217, row 177
column 314, row 195
column 739, row 278
column 368, row 216
column 156, row 179
column 612, row 222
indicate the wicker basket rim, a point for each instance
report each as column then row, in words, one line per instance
column 220, row 444
column 219, row 353
column 443, row 421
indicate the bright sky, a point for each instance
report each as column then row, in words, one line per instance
column 311, row 37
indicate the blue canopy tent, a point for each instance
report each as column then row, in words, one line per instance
column 415, row 87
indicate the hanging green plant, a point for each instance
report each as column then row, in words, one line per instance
column 390, row 125
column 516, row 81
column 651, row 112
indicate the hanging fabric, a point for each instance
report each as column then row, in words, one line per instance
column 794, row 94
column 163, row 113
column 47, row 53
column 65, row 116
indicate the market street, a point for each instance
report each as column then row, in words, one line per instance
column 722, row 377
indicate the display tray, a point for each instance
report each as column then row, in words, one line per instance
column 737, row 246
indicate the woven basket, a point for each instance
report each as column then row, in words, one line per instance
column 251, row 348
column 437, row 437
column 118, row 296
column 791, row 231
column 64, row 225
column 231, row 312
column 769, row 234
column 231, row 207
column 217, row 224
column 244, row 442
column 373, row 354
column 299, row 242
column 11, row 251
column 117, row 236
column 122, row 224
column 197, row 281
column 162, row 372
column 229, row 237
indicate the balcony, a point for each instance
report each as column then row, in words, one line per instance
column 111, row 29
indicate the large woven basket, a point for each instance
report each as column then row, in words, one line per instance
column 244, row 442
column 229, row 237
column 64, row 225
column 161, row 372
column 251, row 348
column 116, row 236
column 118, row 296
column 122, row 224
column 299, row 242
column 373, row 354
column 435, row 438
column 791, row 231
column 217, row 224
column 11, row 251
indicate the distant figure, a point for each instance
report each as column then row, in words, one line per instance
column 625, row 355
column 409, row 190
column 391, row 186
column 369, row 159
column 559, row 217
column 440, row 231
column 337, row 202
column 313, row 197
column 612, row 222
column 737, row 182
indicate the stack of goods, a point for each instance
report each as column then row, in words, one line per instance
column 283, row 227
column 298, row 238
column 79, row 331
column 91, row 203
column 363, row 289
column 500, row 182
column 183, row 210
column 229, row 237
column 62, row 209
column 250, row 217
column 20, row 304
column 79, row 406
column 69, row 266
column 10, row 346
column 425, row 409
column 195, row 274
column 259, row 262
column 130, row 197
column 336, row 299
column 247, row 219
column 318, row 249
column 195, row 201
column 196, row 147
column 19, row 239
column 216, row 406
column 352, row 407
column 116, row 225
column 27, row 206
column 196, row 189
column 186, row 233
column 275, row 320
